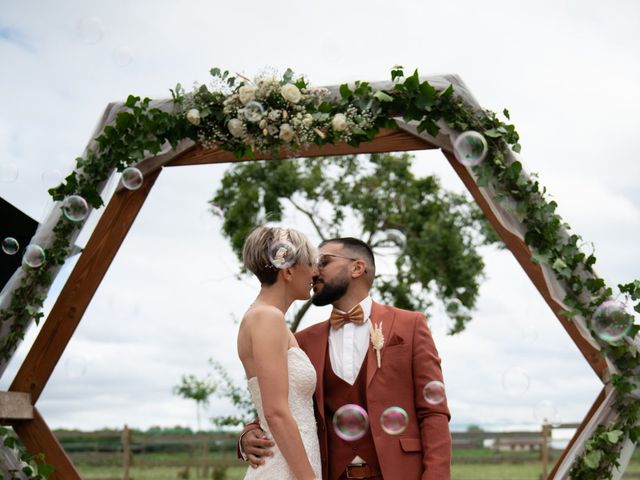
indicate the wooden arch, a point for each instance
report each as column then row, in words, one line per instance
column 113, row 227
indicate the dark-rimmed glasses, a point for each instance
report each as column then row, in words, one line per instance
column 322, row 260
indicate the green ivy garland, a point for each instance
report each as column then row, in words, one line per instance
column 229, row 116
column 32, row 466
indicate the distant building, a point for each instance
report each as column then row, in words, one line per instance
column 524, row 444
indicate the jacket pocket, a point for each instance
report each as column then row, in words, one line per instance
column 410, row 444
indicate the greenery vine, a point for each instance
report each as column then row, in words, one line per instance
column 33, row 467
column 231, row 115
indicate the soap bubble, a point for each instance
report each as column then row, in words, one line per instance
column 132, row 178
column 470, row 148
column 351, row 422
column 394, row 420
column 434, row 392
column 8, row 172
column 75, row 208
column 34, row 256
column 611, row 321
column 10, row 246
column 253, row 111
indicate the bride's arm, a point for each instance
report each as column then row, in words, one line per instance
column 270, row 343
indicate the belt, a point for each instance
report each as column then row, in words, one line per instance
column 361, row 470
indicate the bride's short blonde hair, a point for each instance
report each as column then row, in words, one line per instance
column 255, row 252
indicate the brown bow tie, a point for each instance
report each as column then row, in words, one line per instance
column 338, row 319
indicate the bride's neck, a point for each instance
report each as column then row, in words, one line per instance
column 274, row 295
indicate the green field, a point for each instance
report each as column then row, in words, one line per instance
column 172, row 466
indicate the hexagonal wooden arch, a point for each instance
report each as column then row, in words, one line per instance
column 114, row 225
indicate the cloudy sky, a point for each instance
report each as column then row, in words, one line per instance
column 567, row 71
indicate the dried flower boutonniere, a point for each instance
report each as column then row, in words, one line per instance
column 377, row 339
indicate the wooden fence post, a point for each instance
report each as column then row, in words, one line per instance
column 546, row 439
column 126, row 452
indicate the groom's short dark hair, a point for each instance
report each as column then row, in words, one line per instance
column 360, row 249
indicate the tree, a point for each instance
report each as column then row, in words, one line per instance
column 193, row 388
column 433, row 234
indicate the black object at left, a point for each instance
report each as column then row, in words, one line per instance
column 16, row 224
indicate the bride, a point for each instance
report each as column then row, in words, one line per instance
column 282, row 380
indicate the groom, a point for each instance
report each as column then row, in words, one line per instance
column 348, row 372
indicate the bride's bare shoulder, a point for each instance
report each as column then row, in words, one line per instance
column 263, row 314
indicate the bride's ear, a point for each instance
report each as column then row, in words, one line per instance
column 287, row 274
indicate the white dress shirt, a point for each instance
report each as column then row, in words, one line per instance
column 348, row 345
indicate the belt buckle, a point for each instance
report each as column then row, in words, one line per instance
column 365, row 474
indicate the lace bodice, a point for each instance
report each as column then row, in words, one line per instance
column 302, row 384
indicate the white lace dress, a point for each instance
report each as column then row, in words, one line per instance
column 302, row 384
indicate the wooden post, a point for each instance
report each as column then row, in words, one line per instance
column 126, row 452
column 546, row 439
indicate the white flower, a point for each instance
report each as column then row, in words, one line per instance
column 193, row 116
column 273, row 115
column 307, row 121
column 235, row 126
column 290, row 93
column 339, row 122
column 286, row 132
column 246, row 93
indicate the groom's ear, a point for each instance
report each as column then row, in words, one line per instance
column 358, row 268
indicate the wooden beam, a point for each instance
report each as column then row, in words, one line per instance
column 521, row 251
column 387, row 140
column 579, row 430
column 15, row 406
column 38, row 438
column 79, row 289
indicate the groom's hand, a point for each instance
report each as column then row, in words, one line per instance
column 255, row 446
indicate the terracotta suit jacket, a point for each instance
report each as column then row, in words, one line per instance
column 409, row 360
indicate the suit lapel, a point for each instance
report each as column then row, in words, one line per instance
column 387, row 317
column 317, row 351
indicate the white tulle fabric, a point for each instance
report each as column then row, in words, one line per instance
column 302, row 384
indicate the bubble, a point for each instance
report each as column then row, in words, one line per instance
column 434, row 392
column 253, row 111
column 351, row 422
column 8, row 172
column 51, row 178
column 75, row 208
column 515, row 381
column 216, row 211
column 122, row 56
column 470, row 148
column 546, row 411
column 454, row 307
column 394, row 420
column 132, row 178
column 611, row 321
column 282, row 254
column 34, row 256
column 75, row 368
column 10, row 246
column 90, row 30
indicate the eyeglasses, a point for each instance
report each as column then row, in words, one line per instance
column 323, row 262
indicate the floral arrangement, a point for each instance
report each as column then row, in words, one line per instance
column 272, row 114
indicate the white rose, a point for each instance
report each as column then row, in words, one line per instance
column 193, row 116
column 290, row 93
column 339, row 122
column 286, row 132
column 307, row 121
column 246, row 93
column 235, row 126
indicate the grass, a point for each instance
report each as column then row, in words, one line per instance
column 170, row 467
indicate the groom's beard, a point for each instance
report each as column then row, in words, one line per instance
column 330, row 292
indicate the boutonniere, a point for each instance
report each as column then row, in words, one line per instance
column 377, row 339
